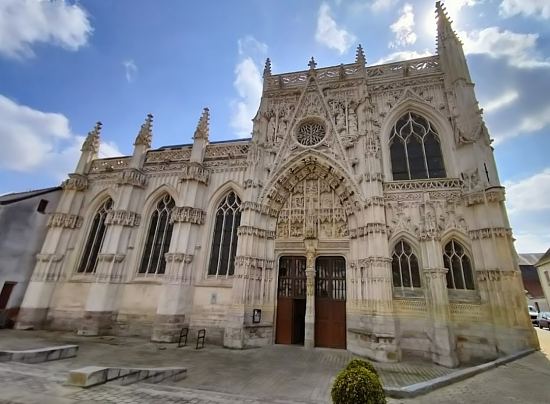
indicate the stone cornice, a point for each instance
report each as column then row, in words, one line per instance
column 187, row 214
column 123, row 218
column 64, row 220
column 252, row 262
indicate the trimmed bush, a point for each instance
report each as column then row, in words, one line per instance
column 357, row 385
column 354, row 363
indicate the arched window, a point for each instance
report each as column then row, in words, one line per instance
column 405, row 271
column 159, row 235
column 95, row 238
column 459, row 274
column 224, row 242
column 415, row 150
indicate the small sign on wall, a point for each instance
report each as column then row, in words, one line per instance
column 256, row 316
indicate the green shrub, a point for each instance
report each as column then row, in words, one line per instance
column 357, row 385
column 354, row 363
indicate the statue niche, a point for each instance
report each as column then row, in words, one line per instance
column 312, row 210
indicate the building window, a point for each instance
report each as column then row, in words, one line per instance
column 224, row 242
column 41, row 208
column 159, row 235
column 95, row 238
column 405, row 270
column 415, row 150
column 459, row 274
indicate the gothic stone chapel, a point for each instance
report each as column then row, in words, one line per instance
column 365, row 213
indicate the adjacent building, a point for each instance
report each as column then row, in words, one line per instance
column 543, row 269
column 23, row 227
column 365, row 213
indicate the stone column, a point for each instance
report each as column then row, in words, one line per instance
column 309, row 337
column 102, row 301
column 443, row 346
column 176, row 297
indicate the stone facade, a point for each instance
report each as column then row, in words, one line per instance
column 317, row 178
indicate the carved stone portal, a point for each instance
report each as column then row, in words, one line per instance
column 312, row 210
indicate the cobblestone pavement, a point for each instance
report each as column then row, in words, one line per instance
column 524, row 381
column 275, row 374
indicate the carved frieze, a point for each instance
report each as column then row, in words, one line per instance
column 370, row 228
column 123, row 218
column 255, row 231
column 402, row 218
column 248, row 262
column 64, row 220
column 75, row 182
column 259, row 208
column 226, row 151
column 252, row 183
column 132, row 176
column 490, row 232
column 110, row 164
column 188, row 214
column 490, row 195
column 428, row 184
column 164, row 156
column 195, row 172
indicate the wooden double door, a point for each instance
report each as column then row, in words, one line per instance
column 330, row 301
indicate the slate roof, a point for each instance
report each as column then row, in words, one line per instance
column 20, row 196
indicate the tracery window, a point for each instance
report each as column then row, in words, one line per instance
column 405, row 270
column 159, row 235
column 311, row 133
column 95, row 238
column 459, row 274
column 224, row 242
column 415, row 150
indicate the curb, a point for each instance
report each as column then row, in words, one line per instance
column 417, row 389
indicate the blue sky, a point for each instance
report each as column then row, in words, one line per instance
column 66, row 64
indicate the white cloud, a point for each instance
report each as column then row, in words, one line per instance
column 529, row 193
column 529, row 210
column 536, row 8
column 402, row 55
column 26, row 22
column 39, row 142
column 403, row 28
column 130, row 69
column 382, row 5
column 328, row 33
column 518, row 49
column 248, row 83
column 535, row 121
column 503, row 100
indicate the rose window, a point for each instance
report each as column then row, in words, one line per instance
column 311, row 133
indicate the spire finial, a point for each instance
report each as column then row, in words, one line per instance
column 203, row 126
column 92, row 140
column 444, row 27
column 312, row 64
column 145, row 134
column 360, row 56
column 267, row 67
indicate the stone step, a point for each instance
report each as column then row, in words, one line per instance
column 40, row 354
column 93, row 375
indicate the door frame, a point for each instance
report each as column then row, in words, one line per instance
column 301, row 252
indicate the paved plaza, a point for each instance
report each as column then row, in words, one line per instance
column 274, row 374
